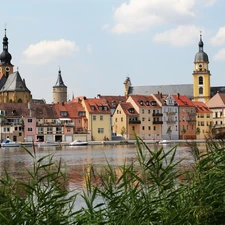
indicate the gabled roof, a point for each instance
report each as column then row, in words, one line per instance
column 217, row 101
column 113, row 101
column 39, row 111
column 14, row 82
column 72, row 108
column 183, row 100
column 128, row 109
column 144, row 101
column 201, row 107
column 97, row 106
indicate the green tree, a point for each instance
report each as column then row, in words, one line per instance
column 198, row 131
column 122, row 132
column 169, row 131
column 183, row 131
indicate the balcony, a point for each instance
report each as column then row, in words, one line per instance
column 134, row 122
column 191, row 121
column 192, row 113
column 157, row 122
column 171, row 113
column 157, row 114
column 171, row 121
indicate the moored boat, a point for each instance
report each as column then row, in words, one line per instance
column 9, row 143
column 47, row 144
column 78, row 143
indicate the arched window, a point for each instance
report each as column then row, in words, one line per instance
column 201, row 90
column 20, row 100
column 10, row 100
column 200, row 80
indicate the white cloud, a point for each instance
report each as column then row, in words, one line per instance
column 140, row 15
column 46, row 51
column 209, row 2
column 219, row 39
column 181, row 36
column 89, row 48
column 220, row 56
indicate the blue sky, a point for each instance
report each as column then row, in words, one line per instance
column 98, row 43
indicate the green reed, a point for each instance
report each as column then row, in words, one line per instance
column 153, row 189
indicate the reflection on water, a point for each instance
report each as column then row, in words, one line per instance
column 78, row 159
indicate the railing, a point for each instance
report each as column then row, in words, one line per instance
column 157, row 122
column 134, row 122
column 191, row 121
column 171, row 121
column 171, row 113
column 157, row 114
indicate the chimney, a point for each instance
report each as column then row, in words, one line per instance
column 178, row 95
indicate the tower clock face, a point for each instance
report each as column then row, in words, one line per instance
column 7, row 69
column 200, row 66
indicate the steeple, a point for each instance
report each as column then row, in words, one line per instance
column 59, row 81
column 59, row 90
column 5, row 56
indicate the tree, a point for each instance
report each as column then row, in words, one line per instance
column 198, row 131
column 169, row 131
column 122, row 132
column 183, row 131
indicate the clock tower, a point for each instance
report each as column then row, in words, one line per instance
column 201, row 75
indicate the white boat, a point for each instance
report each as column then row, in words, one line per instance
column 164, row 142
column 9, row 143
column 78, row 143
column 47, row 144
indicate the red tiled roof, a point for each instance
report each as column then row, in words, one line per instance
column 100, row 106
column 127, row 106
column 113, row 101
column 144, row 101
column 201, row 107
column 183, row 100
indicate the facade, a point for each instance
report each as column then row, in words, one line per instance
column 217, row 105
column 125, row 121
column 99, row 118
column 187, row 117
column 73, row 118
column 150, row 116
column 59, row 90
column 204, row 120
column 170, row 126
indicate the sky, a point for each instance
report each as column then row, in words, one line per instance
column 98, row 43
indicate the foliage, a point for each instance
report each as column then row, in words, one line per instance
column 169, row 131
column 153, row 189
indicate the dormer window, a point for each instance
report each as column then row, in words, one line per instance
column 141, row 102
column 131, row 110
column 147, row 102
column 153, row 103
column 100, row 107
column 92, row 107
column 105, row 108
column 63, row 113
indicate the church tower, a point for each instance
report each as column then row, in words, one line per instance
column 201, row 75
column 59, row 90
column 6, row 67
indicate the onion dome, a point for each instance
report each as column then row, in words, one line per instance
column 201, row 56
column 5, row 56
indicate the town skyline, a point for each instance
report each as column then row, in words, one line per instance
column 97, row 45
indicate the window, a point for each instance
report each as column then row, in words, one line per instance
column 29, row 129
column 200, row 90
column 94, row 117
column 121, row 119
column 133, row 127
column 116, row 120
column 154, row 128
column 143, row 119
column 68, row 130
column 200, row 80
column 143, row 127
column 49, row 130
column 63, row 113
column 58, row 130
column 100, row 130
column 149, row 128
column 40, row 130
column 143, row 111
column 149, row 111
column 101, row 117
column 29, row 120
column 78, row 121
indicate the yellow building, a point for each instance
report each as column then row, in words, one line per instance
column 204, row 118
column 150, row 115
column 99, row 118
column 125, row 121
column 201, row 75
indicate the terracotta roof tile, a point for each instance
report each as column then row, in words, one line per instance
column 128, row 109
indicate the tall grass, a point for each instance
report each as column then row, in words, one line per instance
column 153, row 189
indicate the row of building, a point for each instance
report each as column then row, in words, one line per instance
column 156, row 116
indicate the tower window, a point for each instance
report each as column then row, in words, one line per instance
column 200, row 90
column 200, row 80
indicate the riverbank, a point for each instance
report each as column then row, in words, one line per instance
column 123, row 142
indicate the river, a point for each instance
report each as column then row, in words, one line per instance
column 77, row 159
